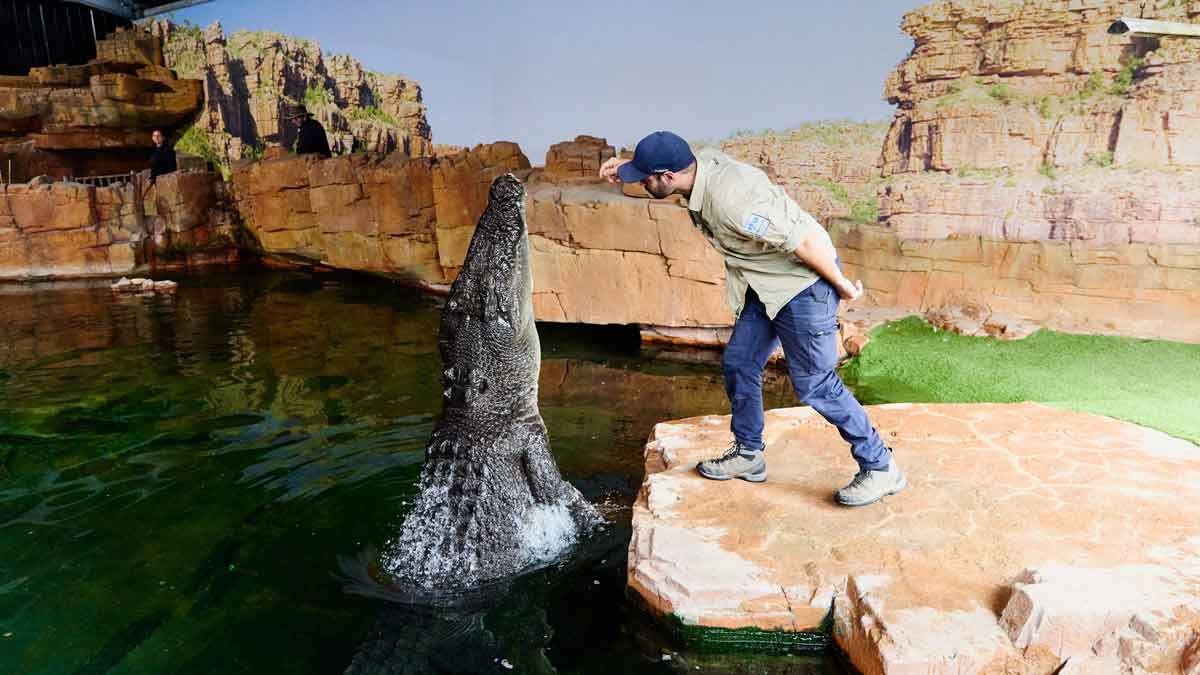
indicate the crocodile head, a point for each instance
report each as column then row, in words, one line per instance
column 488, row 341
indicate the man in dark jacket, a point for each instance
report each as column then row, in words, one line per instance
column 162, row 160
column 311, row 139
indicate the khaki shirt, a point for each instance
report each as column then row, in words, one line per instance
column 755, row 226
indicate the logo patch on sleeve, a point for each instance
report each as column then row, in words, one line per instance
column 756, row 225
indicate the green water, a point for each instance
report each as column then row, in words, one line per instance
column 182, row 480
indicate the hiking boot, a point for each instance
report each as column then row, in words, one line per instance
column 737, row 462
column 869, row 487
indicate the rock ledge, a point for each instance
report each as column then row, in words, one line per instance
column 1029, row 537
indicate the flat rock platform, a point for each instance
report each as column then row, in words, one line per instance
column 1030, row 539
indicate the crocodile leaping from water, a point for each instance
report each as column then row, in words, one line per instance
column 492, row 501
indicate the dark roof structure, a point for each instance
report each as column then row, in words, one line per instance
column 138, row 9
column 38, row 33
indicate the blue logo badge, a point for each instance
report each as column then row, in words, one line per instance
column 756, row 225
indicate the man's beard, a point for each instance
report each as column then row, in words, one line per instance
column 659, row 192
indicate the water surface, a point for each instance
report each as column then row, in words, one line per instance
column 183, row 478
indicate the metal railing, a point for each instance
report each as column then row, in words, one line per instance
column 104, row 181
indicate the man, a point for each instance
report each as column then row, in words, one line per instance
column 784, row 284
column 162, row 159
column 311, row 139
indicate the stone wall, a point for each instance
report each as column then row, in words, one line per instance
column 1139, row 289
column 1093, row 206
column 63, row 230
column 598, row 255
column 602, row 257
column 1128, row 263
column 404, row 217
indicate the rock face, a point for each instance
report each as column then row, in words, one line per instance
column 409, row 218
column 93, row 119
column 1019, row 85
column 252, row 78
column 492, row 501
column 598, row 256
column 1007, row 560
column 1041, row 169
column 1140, row 289
column 1094, row 207
column 1038, row 170
column 831, row 169
column 62, row 230
column 602, row 256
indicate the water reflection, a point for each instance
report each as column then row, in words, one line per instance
column 180, row 474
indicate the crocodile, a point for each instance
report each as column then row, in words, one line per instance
column 492, row 501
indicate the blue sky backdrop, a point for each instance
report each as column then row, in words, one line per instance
column 538, row 72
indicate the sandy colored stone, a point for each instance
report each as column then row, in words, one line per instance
column 1004, row 554
column 65, row 229
column 1104, row 253
column 585, row 283
column 184, row 200
column 1013, row 287
column 1092, row 206
column 1190, row 663
column 854, row 344
column 579, row 159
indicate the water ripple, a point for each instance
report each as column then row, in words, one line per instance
column 308, row 466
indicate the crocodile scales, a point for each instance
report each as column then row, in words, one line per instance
column 492, row 501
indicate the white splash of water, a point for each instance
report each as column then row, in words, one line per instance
column 546, row 532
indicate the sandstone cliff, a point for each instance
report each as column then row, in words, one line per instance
column 1028, row 120
column 1039, row 167
column 829, row 168
column 1016, row 86
column 251, row 78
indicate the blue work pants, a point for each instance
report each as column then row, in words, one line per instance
column 808, row 330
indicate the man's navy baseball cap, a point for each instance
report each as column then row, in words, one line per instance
column 659, row 152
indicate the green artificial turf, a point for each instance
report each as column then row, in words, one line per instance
column 1150, row 382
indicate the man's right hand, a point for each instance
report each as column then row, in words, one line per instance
column 608, row 170
column 848, row 291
